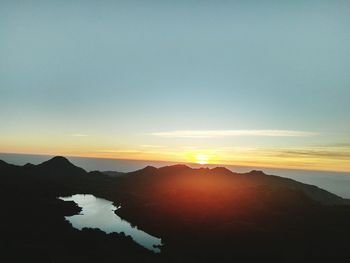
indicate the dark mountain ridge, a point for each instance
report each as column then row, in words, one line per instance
column 61, row 166
column 258, row 177
column 202, row 215
column 113, row 173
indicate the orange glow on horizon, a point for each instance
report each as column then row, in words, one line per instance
column 205, row 158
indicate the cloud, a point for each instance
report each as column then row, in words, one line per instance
column 151, row 146
column 341, row 145
column 79, row 135
column 231, row 133
column 118, row 151
column 315, row 153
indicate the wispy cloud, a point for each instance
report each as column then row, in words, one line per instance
column 231, row 133
column 117, row 151
column 315, row 153
column 79, row 135
column 151, row 146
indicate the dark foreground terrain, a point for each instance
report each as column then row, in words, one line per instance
column 202, row 215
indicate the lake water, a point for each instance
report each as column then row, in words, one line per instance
column 99, row 213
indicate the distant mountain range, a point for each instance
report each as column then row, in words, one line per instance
column 203, row 215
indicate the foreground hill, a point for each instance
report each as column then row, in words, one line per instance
column 202, row 215
column 215, row 214
column 32, row 224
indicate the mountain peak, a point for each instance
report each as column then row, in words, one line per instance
column 59, row 160
column 176, row 167
column 256, row 172
column 149, row 168
column 146, row 170
column 222, row 170
column 59, row 163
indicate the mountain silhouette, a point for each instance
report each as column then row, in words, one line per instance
column 113, row 173
column 60, row 165
column 254, row 178
column 59, row 161
column 202, row 215
column 3, row 164
column 216, row 215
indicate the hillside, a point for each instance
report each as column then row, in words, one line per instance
column 202, row 215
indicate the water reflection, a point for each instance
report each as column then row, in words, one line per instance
column 99, row 213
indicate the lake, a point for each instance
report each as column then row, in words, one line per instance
column 99, row 213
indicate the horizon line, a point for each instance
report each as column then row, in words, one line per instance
column 179, row 162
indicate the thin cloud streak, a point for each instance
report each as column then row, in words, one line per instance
column 232, row 133
column 79, row 135
column 151, row 146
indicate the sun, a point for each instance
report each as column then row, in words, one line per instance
column 202, row 159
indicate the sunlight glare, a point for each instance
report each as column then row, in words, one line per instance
column 202, row 158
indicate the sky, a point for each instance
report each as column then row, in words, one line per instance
column 264, row 83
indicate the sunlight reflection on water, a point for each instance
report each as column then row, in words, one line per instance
column 99, row 213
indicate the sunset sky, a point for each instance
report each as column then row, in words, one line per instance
column 263, row 83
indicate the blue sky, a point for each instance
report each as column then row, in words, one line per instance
column 87, row 76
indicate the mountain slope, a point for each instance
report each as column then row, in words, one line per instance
column 215, row 214
column 223, row 175
column 202, row 215
column 33, row 227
